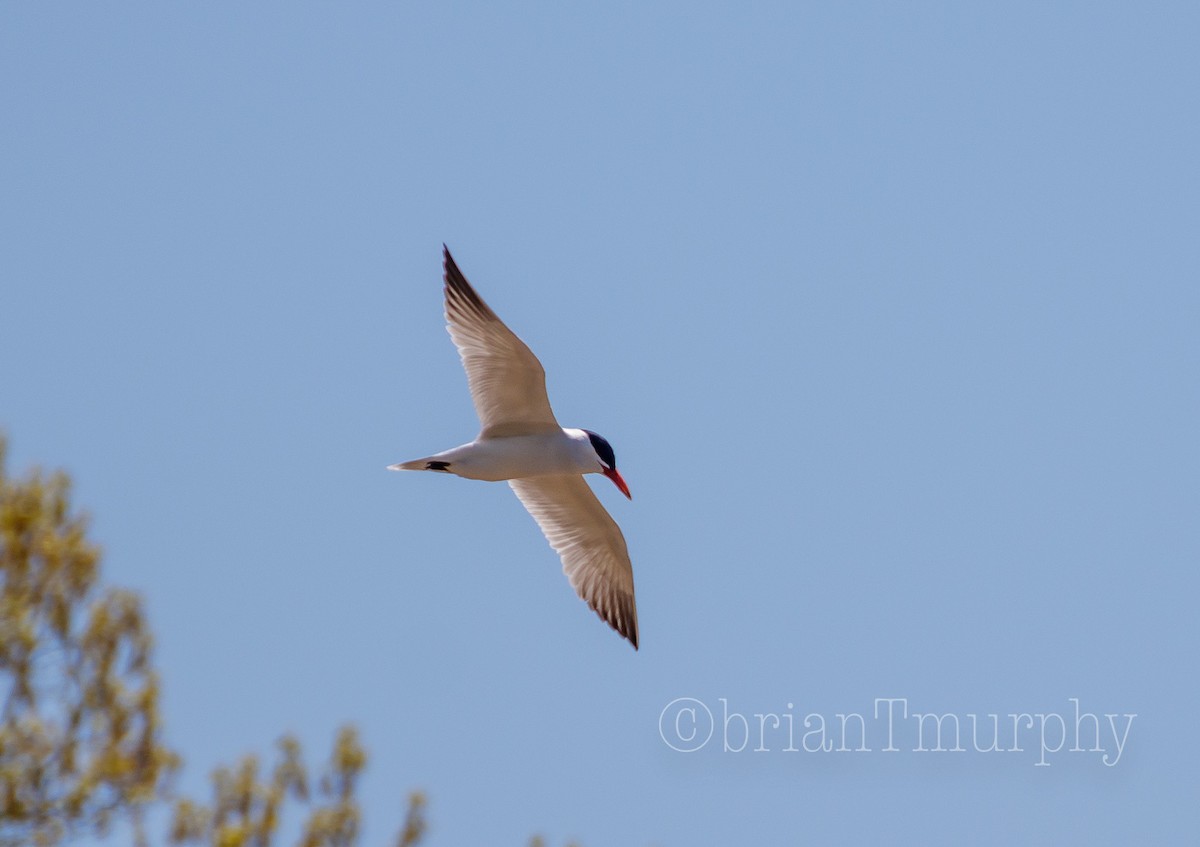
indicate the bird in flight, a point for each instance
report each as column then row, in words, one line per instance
column 544, row 463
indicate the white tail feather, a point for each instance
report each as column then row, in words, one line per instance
column 414, row 465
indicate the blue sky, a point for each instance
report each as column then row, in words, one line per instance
column 889, row 310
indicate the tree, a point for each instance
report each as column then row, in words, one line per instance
column 81, row 740
column 247, row 811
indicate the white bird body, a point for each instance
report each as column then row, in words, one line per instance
column 568, row 451
column 544, row 463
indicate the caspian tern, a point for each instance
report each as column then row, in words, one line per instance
column 522, row 442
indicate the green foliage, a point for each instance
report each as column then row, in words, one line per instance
column 81, row 747
column 246, row 811
column 80, row 736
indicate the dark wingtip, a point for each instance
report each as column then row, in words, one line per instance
column 626, row 625
column 459, row 290
column 453, row 276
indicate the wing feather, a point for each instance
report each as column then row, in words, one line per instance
column 507, row 382
column 590, row 544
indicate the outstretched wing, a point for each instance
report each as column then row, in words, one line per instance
column 594, row 556
column 507, row 382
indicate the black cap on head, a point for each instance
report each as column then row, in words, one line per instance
column 603, row 449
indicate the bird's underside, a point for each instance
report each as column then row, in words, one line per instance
column 521, row 441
